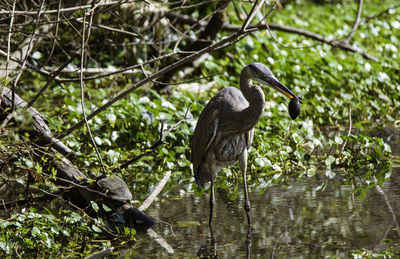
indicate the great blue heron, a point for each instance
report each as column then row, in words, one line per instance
column 225, row 127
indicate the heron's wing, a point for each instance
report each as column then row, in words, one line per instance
column 226, row 101
column 205, row 132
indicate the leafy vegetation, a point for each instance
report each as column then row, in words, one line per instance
column 40, row 234
column 346, row 98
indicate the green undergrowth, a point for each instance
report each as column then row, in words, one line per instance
column 341, row 90
column 34, row 234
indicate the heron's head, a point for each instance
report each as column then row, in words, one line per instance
column 261, row 73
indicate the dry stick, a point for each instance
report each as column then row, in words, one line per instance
column 94, row 70
column 149, row 200
column 269, row 12
column 110, row 28
column 356, row 22
column 159, row 239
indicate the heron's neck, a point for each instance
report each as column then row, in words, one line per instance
column 255, row 96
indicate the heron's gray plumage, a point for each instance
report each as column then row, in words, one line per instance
column 225, row 128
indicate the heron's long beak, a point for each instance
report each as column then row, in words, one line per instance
column 278, row 86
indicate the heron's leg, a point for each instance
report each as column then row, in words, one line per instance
column 243, row 168
column 212, row 202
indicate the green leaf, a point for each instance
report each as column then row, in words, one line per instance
column 94, row 206
column 106, row 208
column 35, row 231
column 338, row 140
column 329, row 160
column 96, row 229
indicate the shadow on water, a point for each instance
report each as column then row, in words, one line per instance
column 301, row 221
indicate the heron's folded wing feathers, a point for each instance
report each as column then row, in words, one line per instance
column 205, row 132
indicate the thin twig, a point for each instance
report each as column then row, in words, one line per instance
column 256, row 7
column 55, row 34
column 51, row 79
column 9, row 38
column 30, row 66
column 356, row 22
column 82, row 85
column 386, row 11
column 110, row 28
column 69, row 9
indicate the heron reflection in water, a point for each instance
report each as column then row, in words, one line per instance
column 225, row 128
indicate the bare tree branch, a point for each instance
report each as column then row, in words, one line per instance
column 312, row 35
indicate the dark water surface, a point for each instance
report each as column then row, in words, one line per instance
column 302, row 221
